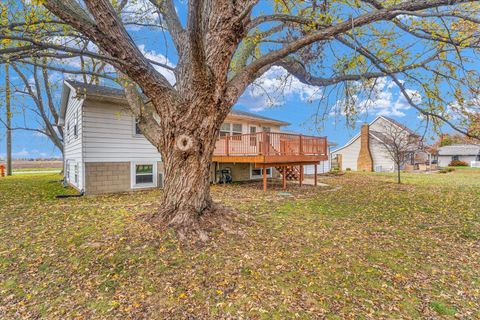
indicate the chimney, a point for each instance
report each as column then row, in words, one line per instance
column 365, row 161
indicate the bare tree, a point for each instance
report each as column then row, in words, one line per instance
column 35, row 93
column 225, row 45
column 400, row 145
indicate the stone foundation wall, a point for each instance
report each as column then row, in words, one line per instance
column 240, row 171
column 107, row 177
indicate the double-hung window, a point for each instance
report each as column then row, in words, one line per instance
column 225, row 129
column 231, row 129
column 237, row 129
column 144, row 174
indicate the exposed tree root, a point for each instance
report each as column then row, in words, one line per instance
column 192, row 226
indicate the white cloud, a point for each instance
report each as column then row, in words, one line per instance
column 21, row 154
column 385, row 100
column 139, row 11
column 160, row 58
column 275, row 88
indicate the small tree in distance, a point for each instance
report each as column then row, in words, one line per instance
column 400, row 145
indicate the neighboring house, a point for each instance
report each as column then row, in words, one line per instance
column 464, row 152
column 365, row 151
column 104, row 151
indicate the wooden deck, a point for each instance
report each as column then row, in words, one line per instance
column 272, row 148
column 284, row 151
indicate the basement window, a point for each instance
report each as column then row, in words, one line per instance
column 257, row 173
column 144, row 175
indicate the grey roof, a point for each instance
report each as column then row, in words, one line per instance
column 400, row 125
column 104, row 91
column 459, row 150
column 93, row 89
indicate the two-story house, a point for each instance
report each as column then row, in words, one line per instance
column 366, row 150
column 104, row 151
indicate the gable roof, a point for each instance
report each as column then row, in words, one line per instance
column 459, row 150
column 400, row 125
column 107, row 93
column 376, row 134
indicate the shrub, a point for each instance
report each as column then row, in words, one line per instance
column 458, row 163
column 443, row 171
column 450, row 169
column 348, row 169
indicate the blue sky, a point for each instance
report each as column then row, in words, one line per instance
column 295, row 103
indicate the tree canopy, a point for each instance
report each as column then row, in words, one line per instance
column 427, row 48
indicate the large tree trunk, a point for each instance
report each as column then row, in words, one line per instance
column 187, row 149
column 186, row 194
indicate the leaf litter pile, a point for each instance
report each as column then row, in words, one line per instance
column 368, row 249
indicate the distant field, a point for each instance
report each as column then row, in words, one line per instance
column 36, row 169
column 22, row 165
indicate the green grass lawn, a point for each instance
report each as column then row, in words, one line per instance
column 366, row 249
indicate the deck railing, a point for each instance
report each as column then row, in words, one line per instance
column 270, row 144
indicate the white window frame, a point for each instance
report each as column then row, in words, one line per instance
column 75, row 125
column 68, row 130
column 230, row 131
column 134, row 130
column 133, row 174
column 254, row 177
column 68, row 170
column 76, row 173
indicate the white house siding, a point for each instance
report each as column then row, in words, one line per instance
column 109, row 135
column 73, row 155
column 349, row 155
column 323, row 167
column 444, row 161
column 380, row 125
column 381, row 158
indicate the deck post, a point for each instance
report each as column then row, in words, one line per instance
column 264, row 143
column 301, row 145
column 284, row 177
column 301, row 175
column 227, row 147
column 315, row 175
column 264, row 179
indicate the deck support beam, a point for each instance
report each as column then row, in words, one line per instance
column 264, row 179
column 315, row 175
column 284, row 177
column 301, row 175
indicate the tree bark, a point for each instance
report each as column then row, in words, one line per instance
column 398, row 174
column 186, row 194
